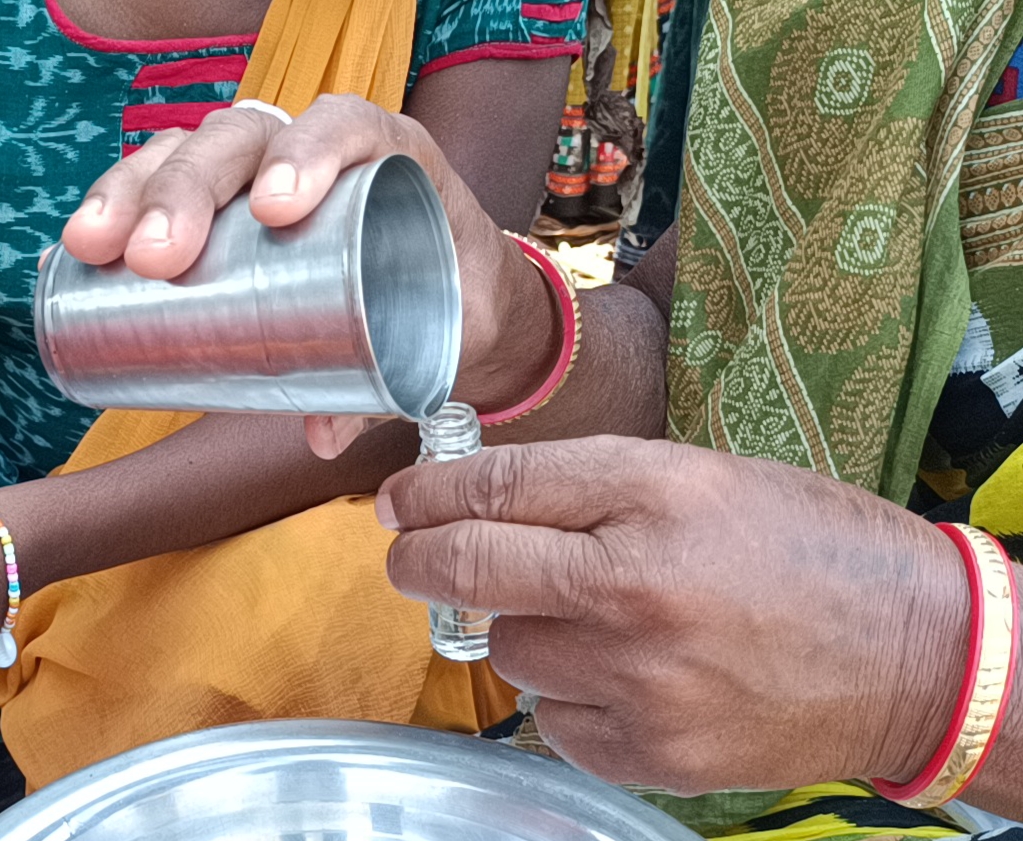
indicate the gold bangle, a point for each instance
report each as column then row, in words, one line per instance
column 984, row 697
column 571, row 333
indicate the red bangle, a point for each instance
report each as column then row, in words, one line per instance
column 987, row 687
column 570, row 337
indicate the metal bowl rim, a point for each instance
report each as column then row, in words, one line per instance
column 136, row 771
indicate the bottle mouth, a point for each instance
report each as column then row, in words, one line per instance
column 452, row 428
column 410, row 289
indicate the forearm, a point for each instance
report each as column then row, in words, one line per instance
column 223, row 475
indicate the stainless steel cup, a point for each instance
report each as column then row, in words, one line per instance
column 354, row 310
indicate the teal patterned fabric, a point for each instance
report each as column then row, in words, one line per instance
column 61, row 128
column 445, row 28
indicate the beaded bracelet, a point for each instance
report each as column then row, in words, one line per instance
column 571, row 334
column 8, row 646
column 987, row 687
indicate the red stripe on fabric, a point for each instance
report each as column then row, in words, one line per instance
column 543, row 39
column 186, row 115
column 129, row 149
column 550, row 12
column 115, row 45
column 192, row 71
column 510, row 51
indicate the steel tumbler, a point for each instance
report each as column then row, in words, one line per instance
column 354, row 310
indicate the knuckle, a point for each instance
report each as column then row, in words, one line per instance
column 466, row 575
column 601, row 456
column 140, row 165
column 391, row 131
column 180, row 178
column 570, row 586
column 180, row 168
column 238, row 130
column 492, row 489
column 168, row 136
column 234, row 120
column 339, row 106
column 303, row 143
column 621, row 569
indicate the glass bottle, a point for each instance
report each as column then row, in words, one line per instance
column 453, row 433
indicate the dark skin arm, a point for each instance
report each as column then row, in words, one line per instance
column 506, row 162
column 259, row 469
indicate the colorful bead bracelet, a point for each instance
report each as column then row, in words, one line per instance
column 8, row 646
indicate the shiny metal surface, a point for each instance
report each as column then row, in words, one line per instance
column 333, row 781
column 356, row 309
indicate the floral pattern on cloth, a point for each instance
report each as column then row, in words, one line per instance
column 73, row 103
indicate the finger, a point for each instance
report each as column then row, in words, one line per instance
column 515, row 570
column 333, row 134
column 590, row 739
column 203, row 174
column 546, row 657
column 98, row 231
column 569, row 485
column 329, row 436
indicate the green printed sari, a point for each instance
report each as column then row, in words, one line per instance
column 823, row 285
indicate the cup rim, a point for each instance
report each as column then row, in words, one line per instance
column 432, row 205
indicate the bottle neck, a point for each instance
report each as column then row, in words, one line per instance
column 452, row 433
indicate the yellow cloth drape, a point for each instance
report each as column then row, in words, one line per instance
column 634, row 38
column 997, row 506
column 296, row 619
column 309, row 47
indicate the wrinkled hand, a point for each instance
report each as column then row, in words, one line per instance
column 155, row 207
column 694, row 620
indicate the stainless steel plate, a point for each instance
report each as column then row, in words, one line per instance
column 333, row 781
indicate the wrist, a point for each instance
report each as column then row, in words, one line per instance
column 21, row 509
column 927, row 658
column 996, row 789
column 508, row 358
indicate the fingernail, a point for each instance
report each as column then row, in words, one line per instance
column 91, row 207
column 281, row 179
column 43, row 256
column 154, row 229
column 385, row 511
